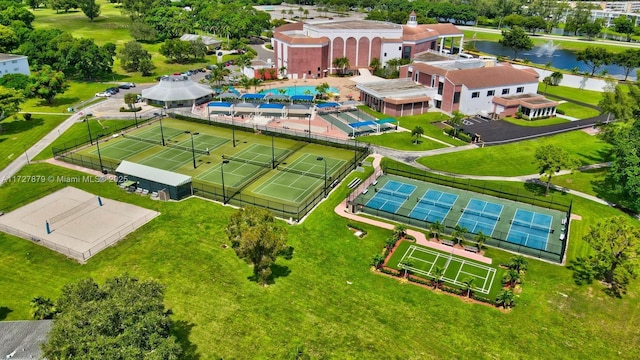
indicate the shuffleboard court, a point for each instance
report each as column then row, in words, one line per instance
column 423, row 261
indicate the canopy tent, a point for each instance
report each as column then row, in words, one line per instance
column 252, row 96
column 271, row 96
column 228, row 95
column 304, row 98
column 299, row 109
column 220, row 104
column 328, row 105
column 271, row 109
column 363, row 123
column 386, row 121
column 244, row 108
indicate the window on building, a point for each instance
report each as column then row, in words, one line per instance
column 505, row 91
column 318, row 68
column 14, row 61
column 440, row 88
column 309, row 73
column 406, row 52
column 433, row 81
column 399, row 48
column 520, row 89
column 456, row 97
column 385, row 54
column 491, row 93
column 475, row 94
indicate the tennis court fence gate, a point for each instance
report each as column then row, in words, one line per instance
column 553, row 253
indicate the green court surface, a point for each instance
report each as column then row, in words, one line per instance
column 423, row 261
column 247, row 167
column 498, row 225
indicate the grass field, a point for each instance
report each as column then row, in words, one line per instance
column 18, row 135
column 585, row 96
column 535, row 123
column 224, row 315
column 77, row 92
column 518, row 158
column 401, row 141
column 578, row 111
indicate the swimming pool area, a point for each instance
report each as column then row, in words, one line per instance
column 297, row 90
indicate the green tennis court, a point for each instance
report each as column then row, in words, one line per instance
column 258, row 154
column 293, row 182
column 154, row 133
column 236, row 174
column 122, row 149
column 201, row 142
column 170, row 159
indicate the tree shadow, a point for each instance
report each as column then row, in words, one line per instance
column 18, row 126
column 288, row 253
column 182, row 330
column 4, row 311
column 277, row 271
column 57, row 101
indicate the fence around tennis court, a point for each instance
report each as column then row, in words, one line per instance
column 67, row 152
column 81, row 256
column 554, row 253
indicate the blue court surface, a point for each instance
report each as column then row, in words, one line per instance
column 479, row 216
column 530, row 229
column 433, row 206
column 391, row 196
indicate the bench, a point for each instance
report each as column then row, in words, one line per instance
column 365, row 191
column 374, row 183
column 335, row 183
column 354, row 183
column 562, row 236
column 154, row 194
column 473, row 249
column 144, row 192
column 448, row 242
column 564, row 221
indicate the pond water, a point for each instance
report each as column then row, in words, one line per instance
column 550, row 53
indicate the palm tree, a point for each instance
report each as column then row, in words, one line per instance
column 341, row 63
column 390, row 243
column 437, row 274
column 436, row 229
column 42, row 308
column 468, row 285
column 262, row 73
column 458, row 234
column 556, row 76
column 255, row 82
column 244, row 61
column 245, row 82
column 418, row 131
column 218, row 73
column 322, row 89
column 399, row 231
column 377, row 260
column 505, row 298
column 547, row 81
column 480, row 238
column 519, row 263
column 375, row 64
column 456, row 121
column 405, row 265
column 511, row 278
column 283, row 12
column 306, row 13
column 282, row 91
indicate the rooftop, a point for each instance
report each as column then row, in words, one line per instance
column 5, row 57
column 477, row 74
column 394, row 88
column 175, row 88
column 22, row 339
column 354, row 25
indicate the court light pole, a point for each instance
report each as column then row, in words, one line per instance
column 320, row 158
column 99, row 155
column 193, row 148
column 135, row 115
column 224, row 195
column 233, row 132
column 86, row 119
column 161, row 131
column 273, row 154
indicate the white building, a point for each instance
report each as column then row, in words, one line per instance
column 608, row 17
column 14, row 64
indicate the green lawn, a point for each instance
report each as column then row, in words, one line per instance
column 535, row 123
column 77, row 93
column 80, row 131
column 517, row 158
column 577, row 111
column 585, row 96
column 340, row 309
column 401, row 141
column 18, row 135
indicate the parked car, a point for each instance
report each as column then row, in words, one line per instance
column 103, row 94
column 207, row 76
column 113, row 90
column 124, row 86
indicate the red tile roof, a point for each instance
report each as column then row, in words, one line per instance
column 479, row 78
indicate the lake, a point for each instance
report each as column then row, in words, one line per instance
column 559, row 58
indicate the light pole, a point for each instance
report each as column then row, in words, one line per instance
column 309, row 116
column 86, row 119
column 233, row 132
column 320, row 158
column 161, row 131
column 193, row 148
column 355, row 153
column 98, row 147
column 273, row 154
column 135, row 115
column 224, row 196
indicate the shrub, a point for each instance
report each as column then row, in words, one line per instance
column 409, row 237
column 123, row 109
column 359, row 228
column 560, row 111
column 26, row 116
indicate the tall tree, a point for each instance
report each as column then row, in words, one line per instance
column 591, row 28
column 578, row 15
column 342, row 63
column 258, row 238
column 505, row 298
column 132, row 55
column 417, row 131
column 618, row 102
column 47, row 83
column 468, row 285
column 42, row 308
column 547, row 81
column 519, row 263
column 624, row 25
column 516, row 39
column 130, row 99
column 616, row 243
column 534, row 23
column 594, row 57
column 176, row 50
column 8, row 40
column 628, row 59
column 550, row 159
column 10, row 101
column 556, row 77
column 624, row 172
column 83, row 59
column 90, row 8
column 122, row 319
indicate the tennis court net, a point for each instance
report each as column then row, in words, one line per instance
column 393, row 193
column 300, row 172
column 530, row 225
column 150, row 141
column 184, row 148
column 247, row 161
column 436, row 203
column 482, row 214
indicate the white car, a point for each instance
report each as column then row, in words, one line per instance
column 103, row 94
